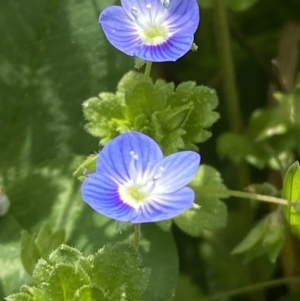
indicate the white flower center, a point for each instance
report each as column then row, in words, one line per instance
column 133, row 194
column 138, row 189
column 152, row 29
column 155, row 34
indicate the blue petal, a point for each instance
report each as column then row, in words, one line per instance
column 183, row 16
column 119, row 29
column 101, row 193
column 165, row 206
column 176, row 46
column 146, row 9
column 115, row 157
column 178, row 171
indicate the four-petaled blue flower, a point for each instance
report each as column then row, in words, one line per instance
column 153, row 30
column 134, row 182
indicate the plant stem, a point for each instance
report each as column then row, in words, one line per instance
column 248, row 195
column 258, row 197
column 227, row 66
column 251, row 288
column 147, row 70
column 136, row 239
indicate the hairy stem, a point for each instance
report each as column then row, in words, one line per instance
column 136, row 239
column 147, row 70
column 248, row 195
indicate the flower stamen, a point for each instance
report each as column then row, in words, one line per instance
column 133, row 171
column 165, row 3
column 150, row 12
column 134, row 13
column 154, row 34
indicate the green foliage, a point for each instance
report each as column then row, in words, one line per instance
column 36, row 195
column 12, row 273
column 47, row 69
column 211, row 213
column 237, row 147
column 223, row 269
column 291, row 192
column 235, row 5
column 34, row 249
column 87, row 166
column 29, row 252
column 205, row 3
column 139, row 63
column 267, row 237
column 113, row 273
column 53, row 55
column 272, row 136
column 51, row 193
column 4, row 204
column 175, row 118
column 186, row 290
column 264, row 188
column 241, row 5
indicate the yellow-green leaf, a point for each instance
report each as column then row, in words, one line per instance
column 291, row 192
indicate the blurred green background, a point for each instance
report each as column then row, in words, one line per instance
column 53, row 56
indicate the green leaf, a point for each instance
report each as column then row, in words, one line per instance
column 29, row 252
column 215, row 251
column 56, row 239
column 212, row 213
column 165, row 225
column 114, row 272
column 63, row 282
column 128, row 81
column 238, row 147
column 47, row 241
column 58, row 66
column 103, row 114
column 159, row 252
column 172, row 119
column 274, row 240
column 12, row 273
column 264, row 188
column 88, row 166
column 42, row 239
column 89, row 293
column 201, row 116
column 175, row 119
column 187, row 290
column 253, row 238
column 118, row 270
column 266, row 123
column 291, row 192
column 43, row 193
column 20, row 297
column 265, row 238
column 241, row 5
column 143, row 98
column 157, row 248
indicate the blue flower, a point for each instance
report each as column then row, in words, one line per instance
column 153, row 30
column 134, row 182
